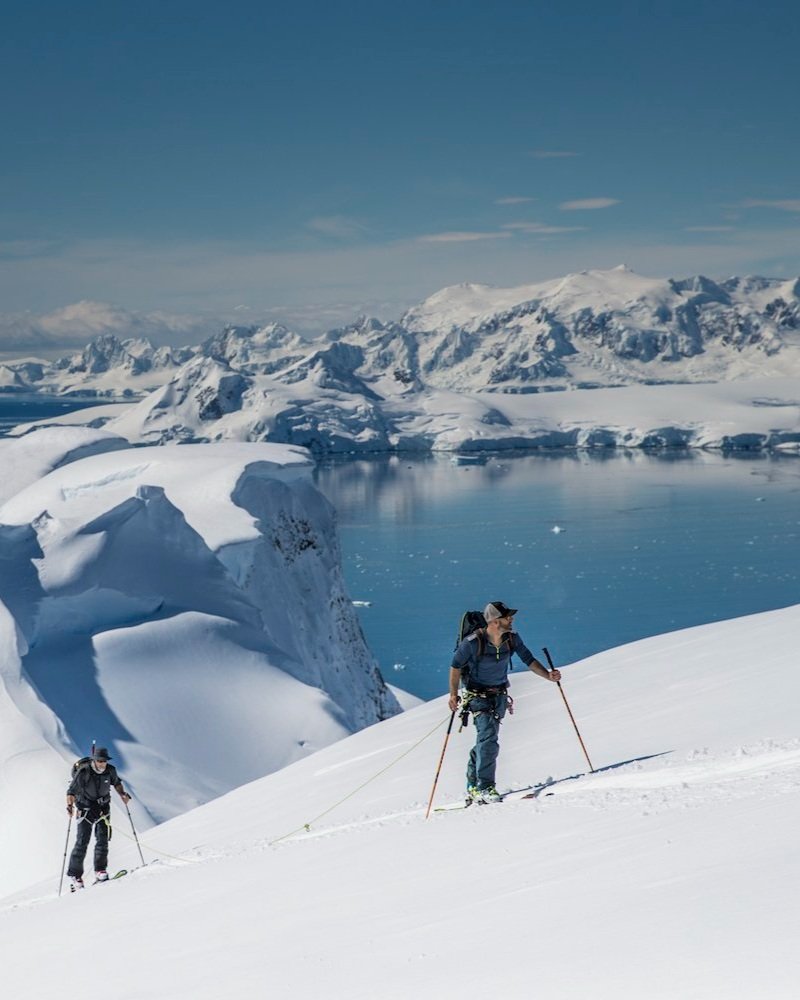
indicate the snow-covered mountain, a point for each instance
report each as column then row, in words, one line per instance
column 669, row 873
column 183, row 605
column 605, row 328
column 254, row 349
column 478, row 368
column 107, row 366
column 592, row 328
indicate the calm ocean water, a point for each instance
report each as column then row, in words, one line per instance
column 20, row 408
column 594, row 552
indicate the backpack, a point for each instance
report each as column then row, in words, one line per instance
column 79, row 765
column 471, row 621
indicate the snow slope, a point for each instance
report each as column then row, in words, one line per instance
column 186, row 607
column 669, row 873
column 25, row 461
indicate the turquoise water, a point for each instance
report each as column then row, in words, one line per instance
column 594, row 552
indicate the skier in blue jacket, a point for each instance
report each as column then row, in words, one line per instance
column 480, row 666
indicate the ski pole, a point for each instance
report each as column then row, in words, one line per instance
column 441, row 759
column 569, row 710
column 134, row 833
column 64, row 862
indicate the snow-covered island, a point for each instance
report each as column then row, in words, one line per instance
column 596, row 360
column 186, row 605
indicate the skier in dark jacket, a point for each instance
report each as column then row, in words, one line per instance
column 89, row 794
column 481, row 664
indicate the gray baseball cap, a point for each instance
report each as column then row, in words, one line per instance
column 496, row 609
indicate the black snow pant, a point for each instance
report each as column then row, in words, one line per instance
column 94, row 815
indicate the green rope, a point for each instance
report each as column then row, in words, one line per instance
column 307, row 826
column 158, row 854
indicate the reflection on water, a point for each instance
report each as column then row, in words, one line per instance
column 595, row 551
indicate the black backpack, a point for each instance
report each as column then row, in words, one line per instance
column 471, row 621
column 79, row 765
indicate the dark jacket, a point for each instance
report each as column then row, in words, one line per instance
column 88, row 786
column 484, row 665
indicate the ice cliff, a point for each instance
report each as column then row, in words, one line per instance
column 138, row 580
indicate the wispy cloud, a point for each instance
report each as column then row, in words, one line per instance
column 459, row 237
column 542, row 228
column 782, row 204
column 709, row 229
column 340, row 227
column 331, row 283
column 513, row 201
column 78, row 323
column 552, row 154
column 587, row 204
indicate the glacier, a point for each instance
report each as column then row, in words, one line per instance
column 183, row 605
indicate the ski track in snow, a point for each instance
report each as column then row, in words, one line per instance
column 114, row 479
column 765, row 768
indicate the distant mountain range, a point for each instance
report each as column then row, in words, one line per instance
column 355, row 388
column 593, row 328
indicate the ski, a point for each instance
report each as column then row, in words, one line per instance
column 466, row 804
column 120, row 873
column 512, row 796
column 463, row 804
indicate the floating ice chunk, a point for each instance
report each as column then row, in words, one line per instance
column 557, row 529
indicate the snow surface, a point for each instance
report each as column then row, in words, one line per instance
column 669, row 873
column 186, row 607
column 25, row 461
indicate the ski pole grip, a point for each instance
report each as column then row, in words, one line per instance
column 550, row 663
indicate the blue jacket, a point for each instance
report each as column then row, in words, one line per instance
column 490, row 668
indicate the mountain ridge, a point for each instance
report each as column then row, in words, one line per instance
column 615, row 324
column 470, row 368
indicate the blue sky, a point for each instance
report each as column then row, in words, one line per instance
column 314, row 161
